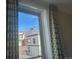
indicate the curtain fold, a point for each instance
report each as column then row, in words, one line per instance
column 12, row 29
column 56, row 35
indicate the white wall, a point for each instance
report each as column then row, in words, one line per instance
column 68, row 57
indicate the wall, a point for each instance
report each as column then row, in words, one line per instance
column 68, row 57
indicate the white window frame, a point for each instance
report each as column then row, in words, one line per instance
column 44, row 29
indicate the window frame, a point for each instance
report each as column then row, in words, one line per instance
column 45, row 39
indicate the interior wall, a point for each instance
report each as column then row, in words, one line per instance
column 64, row 19
column 68, row 57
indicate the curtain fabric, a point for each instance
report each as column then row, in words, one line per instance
column 12, row 30
column 56, row 35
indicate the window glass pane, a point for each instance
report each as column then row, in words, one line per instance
column 33, row 40
column 29, row 36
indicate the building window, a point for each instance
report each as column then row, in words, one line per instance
column 28, row 51
column 34, row 41
column 29, row 40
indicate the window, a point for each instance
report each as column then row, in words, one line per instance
column 28, row 51
column 29, row 26
column 29, row 40
column 40, row 17
column 34, row 42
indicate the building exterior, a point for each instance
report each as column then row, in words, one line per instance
column 34, row 47
column 22, row 45
column 29, row 44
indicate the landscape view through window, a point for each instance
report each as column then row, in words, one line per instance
column 29, row 36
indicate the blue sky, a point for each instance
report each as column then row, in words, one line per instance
column 27, row 21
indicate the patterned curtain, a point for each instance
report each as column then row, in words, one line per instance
column 12, row 30
column 56, row 35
